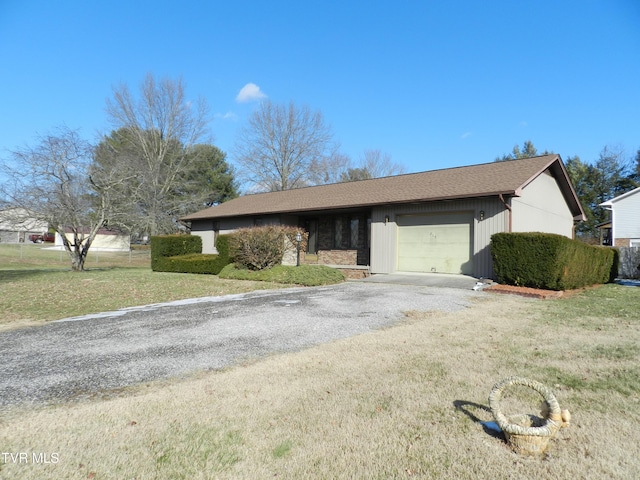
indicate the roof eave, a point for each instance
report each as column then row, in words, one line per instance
column 190, row 218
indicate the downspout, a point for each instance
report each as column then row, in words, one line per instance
column 613, row 233
column 508, row 207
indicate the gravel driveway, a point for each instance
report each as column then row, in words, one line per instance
column 82, row 357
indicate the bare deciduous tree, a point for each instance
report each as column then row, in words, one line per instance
column 373, row 164
column 153, row 142
column 379, row 164
column 51, row 182
column 280, row 145
column 329, row 169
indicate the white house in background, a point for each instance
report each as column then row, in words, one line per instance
column 106, row 240
column 16, row 225
column 625, row 219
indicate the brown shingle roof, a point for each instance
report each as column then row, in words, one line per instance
column 483, row 180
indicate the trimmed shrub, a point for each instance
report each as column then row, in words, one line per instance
column 222, row 246
column 549, row 261
column 258, row 248
column 172, row 245
column 307, row 275
column 191, row 262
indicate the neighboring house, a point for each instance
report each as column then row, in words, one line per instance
column 106, row 240
column 605, row 233
column 625, row 219
column 437, row 221
column 16, row 225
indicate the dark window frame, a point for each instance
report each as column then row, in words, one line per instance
column 345, row 232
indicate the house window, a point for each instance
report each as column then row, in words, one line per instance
column 346, row 233
column 634, row 242
column 339, row 237
column 353, row 238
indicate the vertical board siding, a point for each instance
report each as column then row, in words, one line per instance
column 384, row 237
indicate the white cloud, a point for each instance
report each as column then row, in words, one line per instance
column 227, row 116
column 249, row 93
column 465, row 135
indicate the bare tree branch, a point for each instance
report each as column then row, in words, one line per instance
column 50, row 182
column 154, row 142
column 280, row 144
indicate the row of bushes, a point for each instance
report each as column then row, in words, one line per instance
column 253, row 249
column 551, row 262
column 537, row 260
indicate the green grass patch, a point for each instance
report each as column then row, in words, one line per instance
column 207, row 448
column 622, row 379
column 626, row 351
column 611, row 302
column 307, row 275
column 282, row 450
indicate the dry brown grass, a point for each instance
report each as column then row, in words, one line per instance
column 404, row 402
column 37, row 285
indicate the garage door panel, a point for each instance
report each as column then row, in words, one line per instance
column 435, row 243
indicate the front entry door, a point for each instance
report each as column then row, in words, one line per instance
column 311, row 227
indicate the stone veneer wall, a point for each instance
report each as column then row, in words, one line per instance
column 355, row 274
column 338, row 257
column 330, row 256
column 622, row 242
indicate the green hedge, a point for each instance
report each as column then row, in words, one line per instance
column 191, row 263
column 548, row 261
column 170, row 246
column 172, row 253
column 307, row 275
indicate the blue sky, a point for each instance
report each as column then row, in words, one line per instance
column 434, row 84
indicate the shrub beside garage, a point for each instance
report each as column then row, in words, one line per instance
column 551, row 262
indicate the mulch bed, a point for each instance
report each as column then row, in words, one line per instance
column 535, row 292
column 529, row 292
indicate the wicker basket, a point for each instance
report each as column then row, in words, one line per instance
column 527, row 434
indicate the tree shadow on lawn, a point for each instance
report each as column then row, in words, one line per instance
column 16, row 275
column 26, row 273
column 21, row 274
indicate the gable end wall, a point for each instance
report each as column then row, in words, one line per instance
column 542, row 208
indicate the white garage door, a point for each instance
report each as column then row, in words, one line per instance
column 435, row 243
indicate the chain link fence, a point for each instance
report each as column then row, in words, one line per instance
column 629, row 266
column 51, row 255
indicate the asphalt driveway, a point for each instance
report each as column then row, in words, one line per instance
column 96, row 355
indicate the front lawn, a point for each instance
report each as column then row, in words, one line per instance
column 400, row 403
column 38, row 285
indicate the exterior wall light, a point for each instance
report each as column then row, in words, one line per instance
column 481, row 214
column 298, row 240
